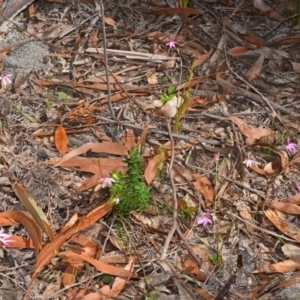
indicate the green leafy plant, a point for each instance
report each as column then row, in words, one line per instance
column 130, row 189
column 106, row 279
column 215, row 259
column 48, row 103
column 185, row 97
column 171, row 93
column 63, row 96
column 185, row 3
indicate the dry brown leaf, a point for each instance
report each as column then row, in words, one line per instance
column 237, row 51
column 296, row 66
column 181, row 174
column 109, row 21
column 143, row 136
column 268, row 168
column 61, row 141
column 187, row 145
column 104, row 147
column 285, row 266
column 256, row 68
column 294, row 199
column 290, row 250
column 97, row 166
column 141, row 218
column 287, row 207
column 203, row 185
column 187, row 264
column 100, row 266
column 74, row 266
column 248, row 131
column 176, row 10
column 202, row 58
column 31, row 206
column 267, row 10
column 278, row 219
column 128, row 139
column 50, row 250
column 152, row 78
column 153, row 166
column 118, row 285
column 252, row 39
column 19, row 217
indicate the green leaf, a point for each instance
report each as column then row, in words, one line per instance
column 185, row 3
column 171, row 96
column 63, row 96
column 48, row 103
column 164, row 98
column 106, row 279
column 171, row 89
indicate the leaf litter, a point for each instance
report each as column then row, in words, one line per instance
column 215, row 221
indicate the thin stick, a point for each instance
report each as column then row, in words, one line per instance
column 259, row 228
column 106, row 61
column 175, row 202
column 249, row 84
column 151, row 130
column 224, row 177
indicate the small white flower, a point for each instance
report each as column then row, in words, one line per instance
column 4, row 238
column 205, row 219
column 171, row 44
column 106, row 181
column 249, row 162
column 6, row 79
column 290, row 147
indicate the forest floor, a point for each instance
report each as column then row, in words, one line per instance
column 150, row 150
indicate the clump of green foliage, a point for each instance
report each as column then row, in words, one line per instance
column 130, row 189
column 171, row 93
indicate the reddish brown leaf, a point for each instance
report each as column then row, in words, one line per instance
column 285, row 266
column 203, row 185
column 104, row 147
column 129, row 139
column 287, row 207
column 176, row 10
column 296, row 66
column 256, row 68
column 61, row 141
column 118, row 285
column 51, row 249
column 202, row 58
column 279, row 220
column 237, row 51
column 252, row 39
column 153, row 165
column 31, row 206
column 142, row 139
column 99, row 265
column 33, row 229
column 255, row 133
column 267, row 10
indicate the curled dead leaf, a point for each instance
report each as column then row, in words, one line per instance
column 285, row 266
column 203, row 185
column 279, row 220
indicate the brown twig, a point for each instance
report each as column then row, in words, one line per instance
column 239, row 91
column 151, row 130
column 106, row 61
column 265, row 99
column 175, row 202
